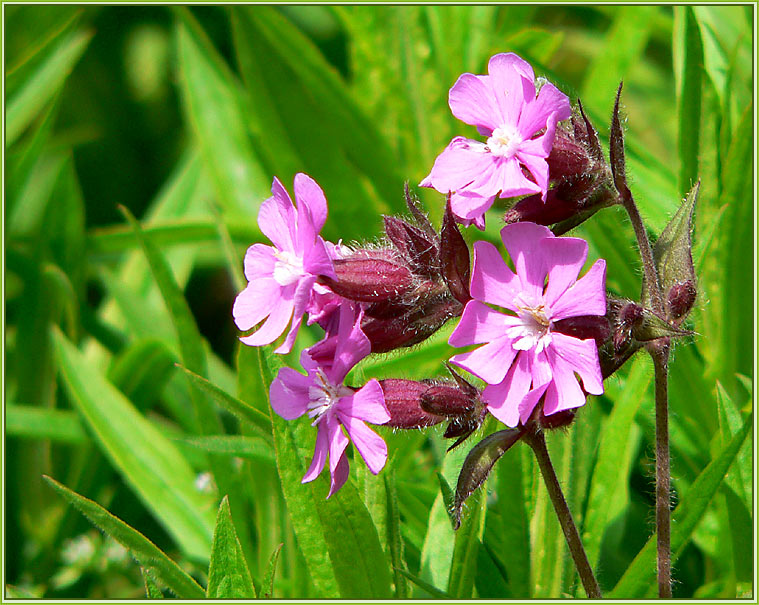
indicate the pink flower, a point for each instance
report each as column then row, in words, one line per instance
column 505, row 109
column 281, row 277
column 333, row 406
column 524, row 357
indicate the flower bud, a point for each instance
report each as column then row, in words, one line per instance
column 630, row 315
column 415, row 245
column 403, row 399
column 447, row 400
column 414, row 326
column 557, row 419
column 585, row 327
column 370, row 276
column 680, row 299
column 569, row 157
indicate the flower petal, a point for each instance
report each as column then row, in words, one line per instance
column 492, row 281
column 582, row 357
column 259, row 261
column 490, row 362
column 538, row 168
column 564, row 392
column 352, row 344
column 320, row 454
column 289, row 393
column 587, row 296
column 369, row 444
column 469, row 207
column 458, row 165
column 310, row 197
column 513, row 83
column 550, row 101
column 338, row 441
column 281, row 310
column 522, row 240
column 564, row 256
column 471, row 101
column 255, row 302
column 300, row 301
column 479, row 324
column 339, row 475
column 503, row 398
column 276, row 218
column 368, row 404
column 317, row 260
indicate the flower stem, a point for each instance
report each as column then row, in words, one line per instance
column 537, row 442
column 660, row 356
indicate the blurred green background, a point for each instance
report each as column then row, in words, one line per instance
column 183, row 116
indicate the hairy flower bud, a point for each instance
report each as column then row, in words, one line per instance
column 585, row 327
column 680, row 299
column 569, row 157
column 370, row 276
column 447, row 400
column 629, row 316
column 403, row 400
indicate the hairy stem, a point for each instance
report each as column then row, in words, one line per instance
column 537, row 442
column 660, row 355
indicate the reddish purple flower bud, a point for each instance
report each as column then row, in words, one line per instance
column 403, row 401
column 447, row 400
column 680, row 299
column 557, row 420
column 414, row 326
column 628, row 317
column 370, row 276
column 418, row 248
column 569, row 157
column 585, row 327
column 534, row 209
column 454, row 254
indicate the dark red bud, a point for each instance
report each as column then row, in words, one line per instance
column 557, row 419
column 680, row 299
column 532, row 208
column 454, row 257
column 585, row 327
column 410, row 328
column 402, row 398
column 629, row 316
column 419, row 248
column 447, row 400
column 568, row 158
column 370, row 276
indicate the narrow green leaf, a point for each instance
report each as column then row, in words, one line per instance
column 228, row 574
column 622, row 48
column 636, row 581
column 394, row 539
column 214, row 109
column 448, row 497
column 44, row 83
column 147, row 554
column 434, row 592
column 34, row 422
column 190, row 340
column 466, row 548
column 147, row 460
column 142, row 370
column 151, row 588
column 234, row 445
column 259, row 421
column 688, row 62
column 740, row 479
column 609, row 491
column 267, row 584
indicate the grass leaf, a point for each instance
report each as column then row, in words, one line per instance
column 228, row 574
column 148, row 555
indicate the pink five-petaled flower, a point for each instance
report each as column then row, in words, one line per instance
column 505, row 109
column 332, row 405
column 281, row 277
column 523, row 357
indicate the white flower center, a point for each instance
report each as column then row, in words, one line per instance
column 323, row 395
column 504, row 141
column 533, row 331
column 288, row 269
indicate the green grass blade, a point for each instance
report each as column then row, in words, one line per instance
column 214, row 109
column 141, row 371
column 228, row 574
column 267, row 584
column 466, row 547
column 434, row 592
column 688, row 65
column 639, row 577
column 609, row 491
column 259, row 421
column 151, row 588
column 42, row 85
column 147, row 554
column 34, row 422
column 394, row 539
column 147, row 460
column 234, row 445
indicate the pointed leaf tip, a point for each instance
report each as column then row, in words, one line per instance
column 617, row 150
